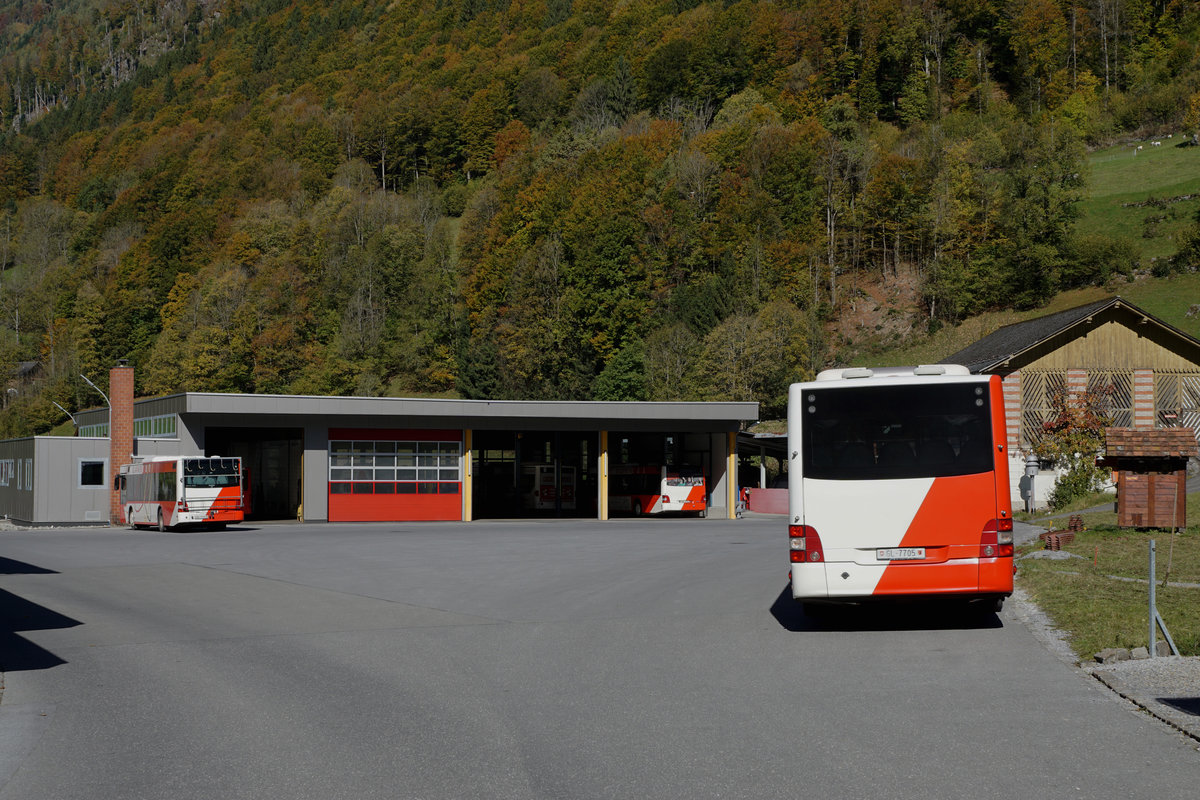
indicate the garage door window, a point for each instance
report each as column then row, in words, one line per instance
column 378, row 467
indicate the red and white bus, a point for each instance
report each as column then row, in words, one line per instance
column 899, row 486
column 169, row 491
column 656, row 489
column 542, row 489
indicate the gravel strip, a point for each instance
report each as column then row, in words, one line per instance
column 1167, row 687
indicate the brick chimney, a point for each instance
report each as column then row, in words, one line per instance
column 120, row 431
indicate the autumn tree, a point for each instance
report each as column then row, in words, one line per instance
column 1191, row 120
column 1039, row 40
column 1072, row 439
column 754, row 358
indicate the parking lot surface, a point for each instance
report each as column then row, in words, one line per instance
column 549, row 659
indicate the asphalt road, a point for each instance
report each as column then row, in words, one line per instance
column 630, row 659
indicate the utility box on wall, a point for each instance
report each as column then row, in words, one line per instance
column 1150, row 467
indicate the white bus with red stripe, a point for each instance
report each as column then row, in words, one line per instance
column 654, row 489
column 899, row 486
column 170, row 491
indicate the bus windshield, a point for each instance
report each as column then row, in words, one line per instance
column 896, row 432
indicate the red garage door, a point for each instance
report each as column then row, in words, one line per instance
column 381, row 475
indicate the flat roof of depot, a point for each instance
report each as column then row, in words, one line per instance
column 439, row 410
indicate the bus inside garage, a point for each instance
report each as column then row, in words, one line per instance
column 648, row 470
column 533, row 474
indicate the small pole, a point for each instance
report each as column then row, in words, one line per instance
column 1174, row 528
column 1153, row 606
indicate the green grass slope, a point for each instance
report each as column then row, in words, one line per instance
column 1170, row 299
column 1148, row 196
column 1138, row 194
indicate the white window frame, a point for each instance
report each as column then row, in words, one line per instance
column 79, row 484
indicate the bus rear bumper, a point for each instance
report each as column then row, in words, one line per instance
column 208, row 517
column 846, row 580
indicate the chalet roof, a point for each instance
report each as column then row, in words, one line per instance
column 1003, row 344
column 26, row 368
column 1144, row 443
column 1011, row 341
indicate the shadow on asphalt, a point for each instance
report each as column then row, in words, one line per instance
column 10, row 567
column 911, row 615
column 18, row 654
column 199, row 529
column 1188, row 705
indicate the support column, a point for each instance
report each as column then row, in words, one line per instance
column 1011, row 385
column 314, row 499
column 602, row 473
column 719, row 490
column 468, row 484
column 1143, row 398
column 120, row 432
column 1076, row 383
column 731, row 480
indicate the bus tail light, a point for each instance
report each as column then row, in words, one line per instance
column 997, row 539
column 805, row 544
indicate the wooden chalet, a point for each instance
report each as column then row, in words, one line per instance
column 1151, row 368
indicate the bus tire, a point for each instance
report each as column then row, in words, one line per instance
column 161, row 525
column 129, row 519
column 637, row 508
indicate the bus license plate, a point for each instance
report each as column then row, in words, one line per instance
column 900, row 553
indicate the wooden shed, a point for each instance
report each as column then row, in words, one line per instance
column 1151, row 473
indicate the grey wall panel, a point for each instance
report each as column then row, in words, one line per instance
column 316, row 473
column 160, row 406
column 719, row 491
column 145, row 447
column 191, row 434
column 59, row 499
column 16, row 500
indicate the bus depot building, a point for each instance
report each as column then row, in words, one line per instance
column 358, row 459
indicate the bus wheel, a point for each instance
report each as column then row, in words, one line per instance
column 997, row 605
column 637, row 508
column 161, row 525
column 129, row 519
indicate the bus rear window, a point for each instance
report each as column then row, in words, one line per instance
column 895, row 432
column 210, row 480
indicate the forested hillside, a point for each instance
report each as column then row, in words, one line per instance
column 547, row 198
